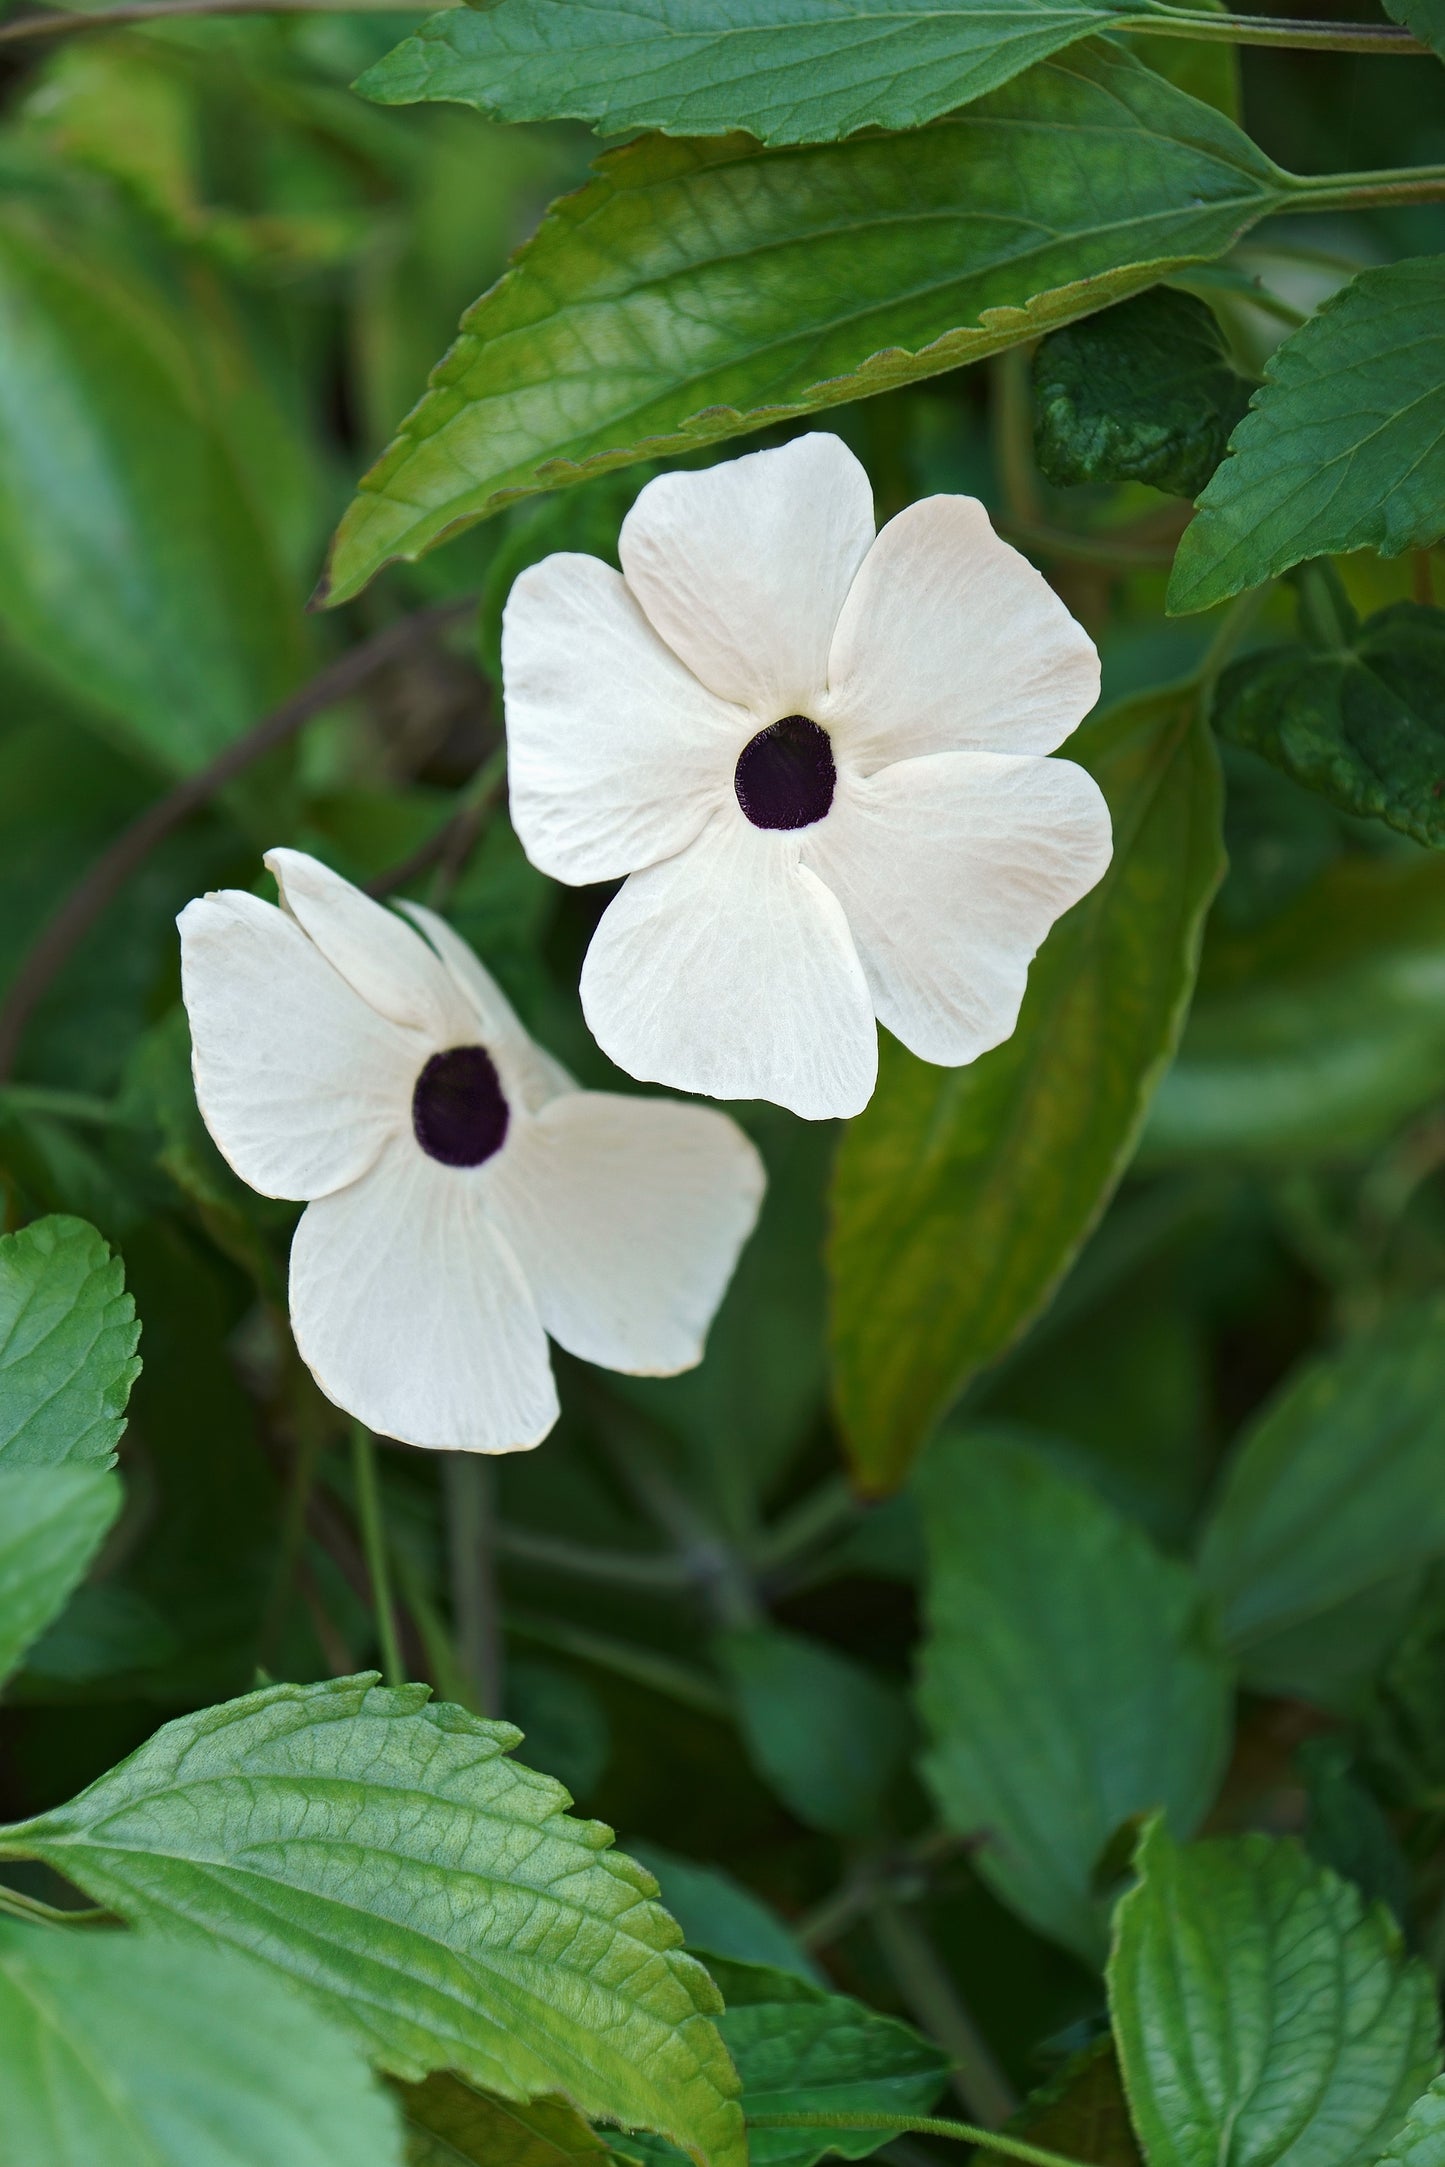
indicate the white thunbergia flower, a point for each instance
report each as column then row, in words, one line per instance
column 464, row 1196
column 819, row 757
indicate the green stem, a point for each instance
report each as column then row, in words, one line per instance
column 64, row 1105
column 471, row 1521
column 1309, row 37
column 920, row 2125
column 16, row 1906
column 62, row 22
column 683, row 1682
column 1367, row 191
column 935, row 2001
column 373, row 1543
column 660, row 1571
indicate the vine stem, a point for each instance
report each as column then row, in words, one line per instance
column 1367, row 191
column 471, row 1546
column 373, row 1543
column 927, row 1988
column 921, row 2125
column 1308, row 37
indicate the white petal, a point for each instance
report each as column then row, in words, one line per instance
column 730, row 971
column 951, row 870
column 627, row 1215
column 615, row 753
column 412, row 1314
column 528, row 1072
column 744, row 567
column 389, row 965
column 298, row 1080
column 950, row 641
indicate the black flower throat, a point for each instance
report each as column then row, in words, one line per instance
column 458, row 1112
column 785, row 776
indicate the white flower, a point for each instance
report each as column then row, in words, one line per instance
column 464, row 1196
column 819, row 758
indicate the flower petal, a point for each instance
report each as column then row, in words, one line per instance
column 951, row 870
column 627, row 1215
column 376, row 952
column 616, row 755
column 300, row 1082
column 412, row 1313
column 730, row 971
column 527, row 1070
column 950, row 641
column 744, row 567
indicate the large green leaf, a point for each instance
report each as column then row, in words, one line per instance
column 695, row 290
column 135, row 572
column 1070, row 1679
column 1261, row 2012
column 826, row 1733
column 52, row 1522
column 68, row 1336
column 1344, row 446
column 962, row 1195
column 429, row 1890
column 786, row 71
column 1364, row 724
column 119, row 2050
column 1333, row 1494
column 449, row 2123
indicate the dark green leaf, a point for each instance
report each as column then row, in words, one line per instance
column 1364, row 724
column 1144, row 392
column 1070, row 1680
column 1346, row 1827
column 1344, row 447
column 962, row 1195
column 68, row 1336
column 719, row 1917
column 1261, row 2010
column 696, row 290
column 451, row 2124
column 786, row 71
column 1082, row 2114
column 103, row 1632
column 827, row 1734
column 1425, row 17
column 431, row 1892
column 52, row 1522
column 1333, row 1491
column 1421, row 2143
column 117, row 2050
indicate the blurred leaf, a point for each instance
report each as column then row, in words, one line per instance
column 828, row 1735
column 786, row 71
column 1402, row 1725
column 1144, row 392
column 719, row 1917
column 801, row 2050
column 1333, row 1491
column 451, row 2124
column 120, row 2051
column 1344, row 447
column 52, row 1522
column 696, row 290
column 1207, row 69
column 1313, row 1036
column 1346, row 1828
column 341, row 1831
column 1364, row 725
column 1260, row 2009
column 1427, row 19
column 68, row 1336
column 1070, row 1680
column 103, row 1632
column 563, row 1724
column 1082, row 2113
column 963, row 1195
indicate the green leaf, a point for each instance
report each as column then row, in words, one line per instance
column 52, row 1522
column 719, row 1917
column 962, row 1195
column 451, row 2124
column 1344, row 446
column 68, row 1336
column 801, row 2050
column 1333, row 1492
column 1425, row 17
column 1421, row 2143
column 135, row 573
column 696, row 290
column 827, row 1734
column 430, row 1891
column 1144, row 392
column 1082, row 2114
column 786, row 71
column 1261, row 2011
column 1362, row 724
column 117, row 2050
column 1070, row 1680
column 1347, row 1829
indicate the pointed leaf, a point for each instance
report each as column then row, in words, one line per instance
column 1344, row 445
column 431, row 1892
column 825, row 1732
column 68, row 1336
column 695, row 290
column 52, row 1522
column 1261, row 2011
column 962, row 1196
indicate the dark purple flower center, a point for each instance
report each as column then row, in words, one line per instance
column 785, row 775
column 457, row 1108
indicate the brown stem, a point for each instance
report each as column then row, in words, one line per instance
column 68, row 925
